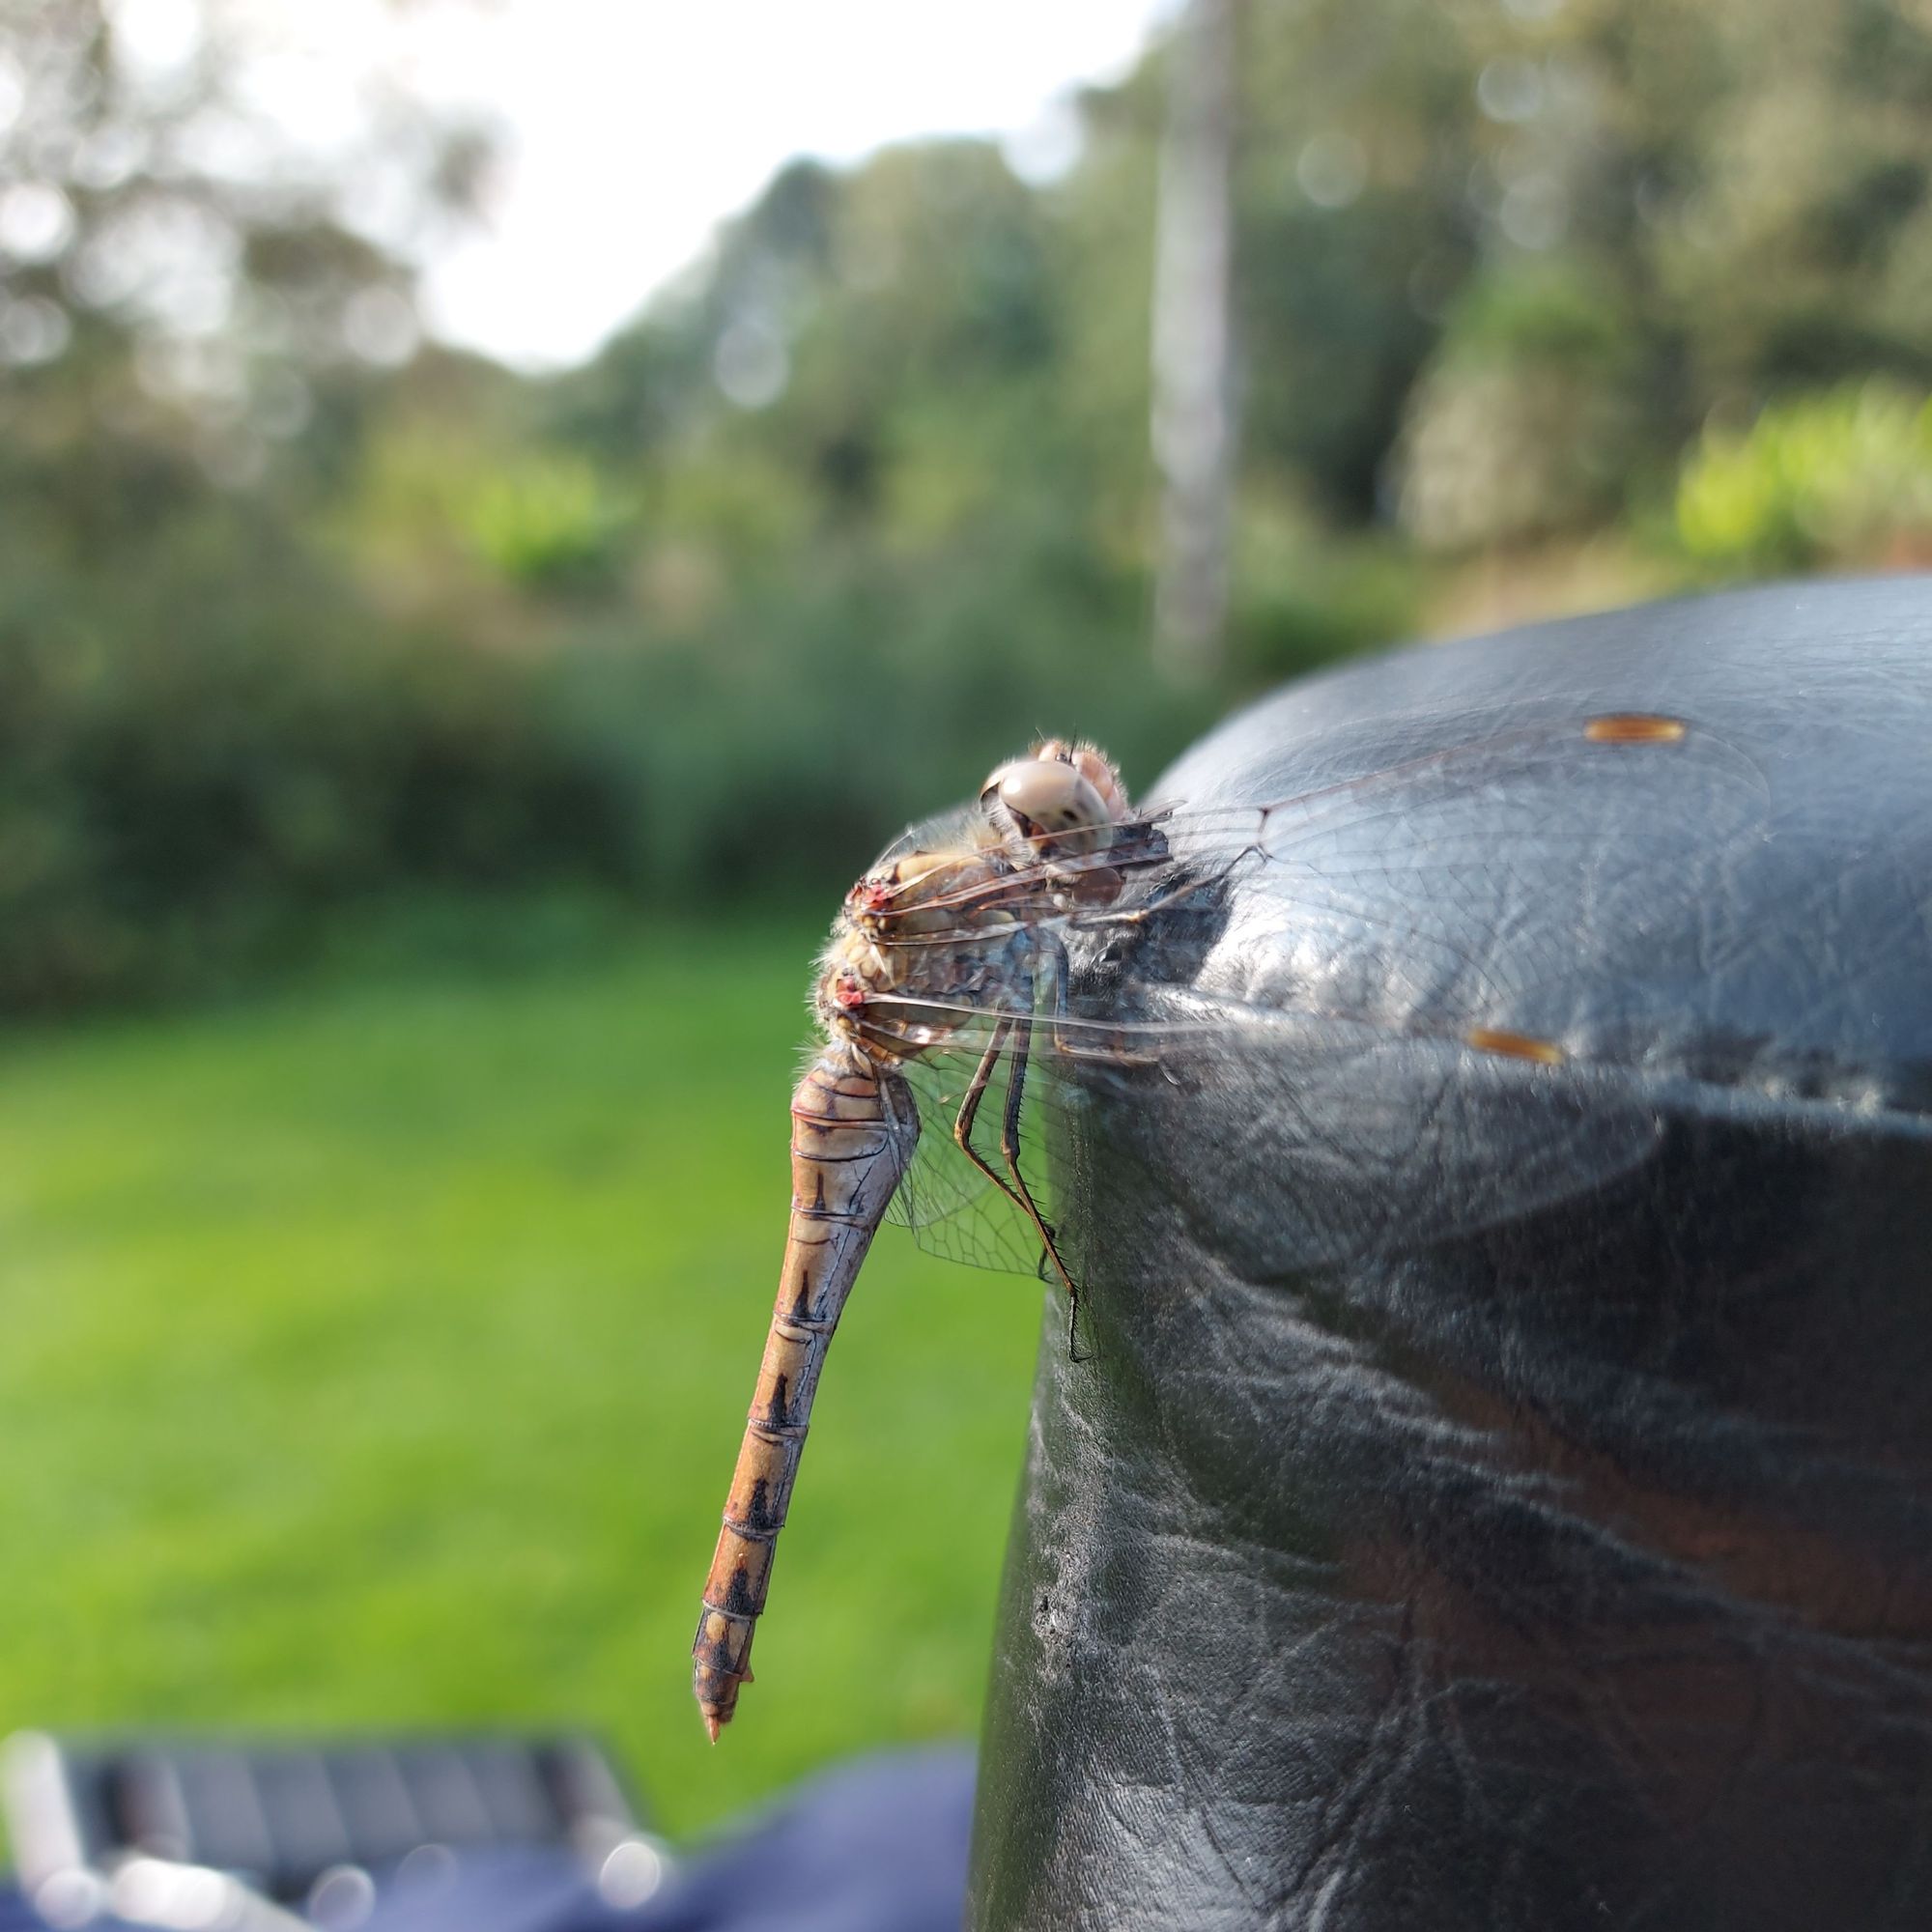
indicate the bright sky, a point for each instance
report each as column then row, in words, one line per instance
column 635, row 126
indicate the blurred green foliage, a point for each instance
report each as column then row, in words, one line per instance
column 295, row 613
column 548, row 524
column 1844, row 473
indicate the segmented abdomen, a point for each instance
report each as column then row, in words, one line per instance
column 853, row 1133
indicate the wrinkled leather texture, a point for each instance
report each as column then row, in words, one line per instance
column 1492, row 1495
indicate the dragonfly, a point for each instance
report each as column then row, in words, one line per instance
column 986, row 975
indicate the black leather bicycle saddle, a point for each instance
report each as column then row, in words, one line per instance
column 1493, row 1488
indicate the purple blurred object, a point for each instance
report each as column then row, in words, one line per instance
column 875, row 1846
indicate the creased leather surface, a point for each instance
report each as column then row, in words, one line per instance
column 1399, row 1558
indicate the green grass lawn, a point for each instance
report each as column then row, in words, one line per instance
column 375, row 1355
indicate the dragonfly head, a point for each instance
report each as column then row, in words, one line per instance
column 1061, row 798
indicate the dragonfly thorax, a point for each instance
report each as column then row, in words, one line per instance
column 934, row 936
column 894, row 1000
column 924, row 892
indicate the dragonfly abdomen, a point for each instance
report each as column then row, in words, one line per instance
column 854, row 1127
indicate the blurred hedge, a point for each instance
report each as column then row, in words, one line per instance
column 1816, row 479
column 193, row 754
column 209, row 749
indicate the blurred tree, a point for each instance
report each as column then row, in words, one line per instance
column 1739, row 187
column 1525, row 424
column 870, row 357
column 1354, row 228
column 1193, row 424
column 165, row 240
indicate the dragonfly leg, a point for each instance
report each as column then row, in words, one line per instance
column 969, row 1112
column 1052, row 977
column 1054, row 974
column 1010, row 1147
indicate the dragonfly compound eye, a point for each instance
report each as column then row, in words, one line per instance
column 1093, row 765
column 1048, row 796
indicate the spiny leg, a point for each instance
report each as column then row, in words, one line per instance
column 1018, row 1192
column 969, row 1112
column 1054, row 974
column 1010, row 1147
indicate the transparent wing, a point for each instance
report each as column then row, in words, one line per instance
column 954, row 1206
column 1338, row 994
column 1539, row 884
column 1312, row 1140
column 1314, row 1123
column 1565, row 781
